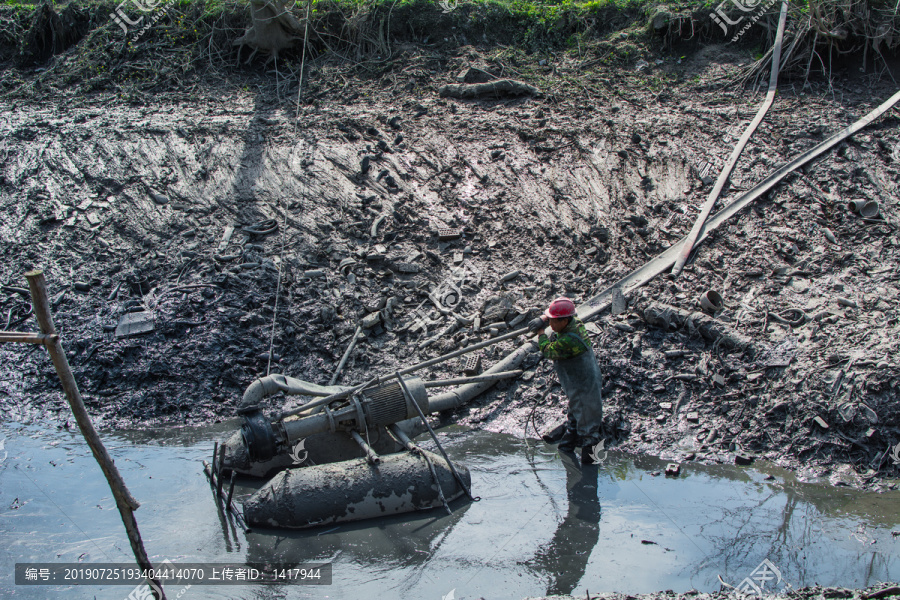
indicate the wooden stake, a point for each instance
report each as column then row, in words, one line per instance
column 124, row 500
column 220, row 471
column 230, row 492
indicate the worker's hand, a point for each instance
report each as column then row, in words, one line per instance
column 538, row 325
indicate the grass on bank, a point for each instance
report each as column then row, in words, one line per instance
column 196, row 36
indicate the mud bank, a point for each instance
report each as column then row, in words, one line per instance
column 432, row 223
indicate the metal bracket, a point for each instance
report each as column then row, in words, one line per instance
column 330, row 416
column 456, row 475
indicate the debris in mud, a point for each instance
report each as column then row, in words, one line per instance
column 159, row 198
column 134, row 323
column 471, row 365
column 567, row 197
column 669, row 318
column 448, row 234
column 496, row 88
column 743, row 459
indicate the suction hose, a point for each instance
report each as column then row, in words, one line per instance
column 271, row 384
column 459, row 396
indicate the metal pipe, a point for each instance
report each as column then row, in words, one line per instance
column 27, row 338
column 484, row 378
column 371, row 455
column 403, row 438
column 230, row 492
column 460, row 352
column 328, row 399
column 349, row 416
column 457, row 397
column 271, row 384
column 208, row 471
column 406, row 371
column 221, row 460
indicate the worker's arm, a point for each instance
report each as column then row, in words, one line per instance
column 564, row 346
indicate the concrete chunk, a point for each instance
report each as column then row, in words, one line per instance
column 135, row 323
column 446, row 234
column 371, row 320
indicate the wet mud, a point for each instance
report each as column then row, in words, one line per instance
column 199, row 241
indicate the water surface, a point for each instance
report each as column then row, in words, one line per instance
column 545, row 524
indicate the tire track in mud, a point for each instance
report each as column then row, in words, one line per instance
column 240, row 161
column 571, row 198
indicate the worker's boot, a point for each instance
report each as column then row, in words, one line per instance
column 567, row 441
column 592, row 450
column 555, row 435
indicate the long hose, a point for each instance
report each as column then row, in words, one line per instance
column 739, row 147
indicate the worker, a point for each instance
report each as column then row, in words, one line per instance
column 578, row 371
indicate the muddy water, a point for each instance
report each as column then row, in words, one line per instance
column 544, row 524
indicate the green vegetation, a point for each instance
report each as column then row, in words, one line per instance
column 80, row 44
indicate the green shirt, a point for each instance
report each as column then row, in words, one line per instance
column 565, row 345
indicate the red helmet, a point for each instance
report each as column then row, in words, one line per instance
column 560, row 309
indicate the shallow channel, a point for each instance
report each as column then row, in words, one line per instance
column 545, row 524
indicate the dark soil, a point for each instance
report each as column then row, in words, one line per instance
column 125, row 205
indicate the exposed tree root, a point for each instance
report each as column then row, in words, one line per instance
column 274, row 28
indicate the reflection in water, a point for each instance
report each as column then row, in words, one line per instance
column 565, row 557
column 534, row 532
column 398, row 541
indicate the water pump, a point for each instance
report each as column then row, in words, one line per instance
column 374, row 407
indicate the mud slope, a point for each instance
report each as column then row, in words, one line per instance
column 128, row 208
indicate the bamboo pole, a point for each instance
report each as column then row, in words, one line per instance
column 124, row 500
column 26, row 337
